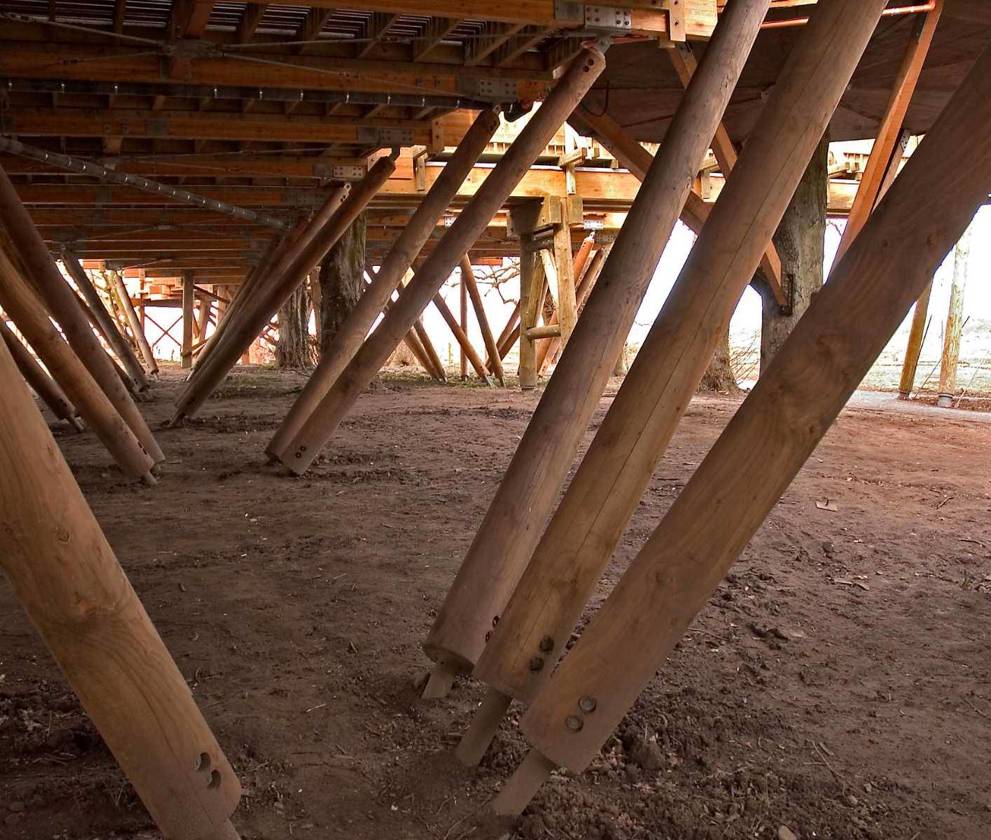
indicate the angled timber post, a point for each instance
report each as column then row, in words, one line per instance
column 64, row 306
column 461, row 336
column 108, row 326
column 188, row 318
column 478, row 305
column 290, row 271
column 389, row 277
column 765, row 444
column 916, row 338
column 268, row 273
column 203, row 318
column 882, row 164
column 583, row 533
column 66, row 577
column 134, row 322
column 39, row 380
column 459, row 238
column 24, row 307
column 518, row 513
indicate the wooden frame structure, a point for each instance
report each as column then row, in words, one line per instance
column 220, row 150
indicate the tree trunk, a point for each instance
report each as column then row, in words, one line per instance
column 720, row 375
column 342, row 280
column 294, row 349
column 801, row 242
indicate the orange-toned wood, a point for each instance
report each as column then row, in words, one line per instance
column 773, row 433
column 886, row 144
column 65, row 575
column 26, row 310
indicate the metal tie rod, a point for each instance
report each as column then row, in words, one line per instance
column 84, row 166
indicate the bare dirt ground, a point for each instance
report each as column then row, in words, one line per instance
column 838, row 684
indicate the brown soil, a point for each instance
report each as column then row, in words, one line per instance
column 839, row 683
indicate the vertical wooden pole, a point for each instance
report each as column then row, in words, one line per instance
column 108, row 326
column 519, row 511
column 28, row 313
column 478, row 304
column 353, row 332
column 531, row 284
column 66, row 577
column 916, row 338
column 437, row 267
column 889, row 133
column 551, row 348
column 39, row 380
column 188, row 304
column 463, row 301
column 769, row 439
column 567, row 305
column 950, row 359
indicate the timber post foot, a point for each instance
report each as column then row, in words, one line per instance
column 149, row 479
column 523, row 785
column 483, row 728
column 76, row 424
column 225, row 831
column 439, row 682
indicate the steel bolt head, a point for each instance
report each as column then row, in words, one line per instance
column 537, row 663
column 587, row 704
column 574, row 723
column 547, row 644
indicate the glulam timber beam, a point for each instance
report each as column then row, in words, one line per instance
column 87, row 62
column 748, row 469
column 599, row 188
column 212, row 125
column 643, row 17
